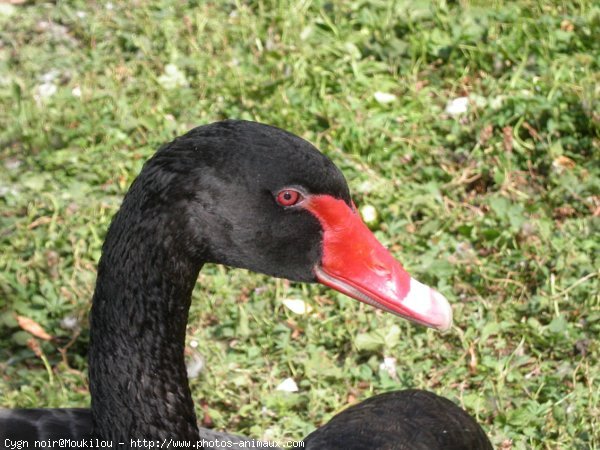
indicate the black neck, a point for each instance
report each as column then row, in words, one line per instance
column 138, row 379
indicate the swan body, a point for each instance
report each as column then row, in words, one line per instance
column 401, row 420
column 246, row 195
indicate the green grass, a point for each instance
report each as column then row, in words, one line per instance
column 498, row 207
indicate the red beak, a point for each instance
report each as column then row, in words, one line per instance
column 356, row 264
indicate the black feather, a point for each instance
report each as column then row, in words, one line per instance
column 401, row 420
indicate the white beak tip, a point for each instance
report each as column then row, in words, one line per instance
column 429, row 305
column 446, row 313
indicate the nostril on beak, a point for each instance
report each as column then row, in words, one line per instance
column 381, row 270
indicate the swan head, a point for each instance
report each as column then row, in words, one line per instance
column 254, row 196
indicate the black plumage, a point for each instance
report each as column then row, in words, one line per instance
column 400, row 420
column 42, row 424
column 208, row 196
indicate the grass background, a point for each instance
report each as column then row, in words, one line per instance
column 498, row 207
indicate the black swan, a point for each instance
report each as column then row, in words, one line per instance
column 246, row 195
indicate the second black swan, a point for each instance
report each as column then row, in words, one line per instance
column 252, row 196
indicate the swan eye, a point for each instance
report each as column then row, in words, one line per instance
column 288, row 197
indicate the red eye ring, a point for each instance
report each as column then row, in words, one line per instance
column 288, row 197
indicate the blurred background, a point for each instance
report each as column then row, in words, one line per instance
column 469, row 133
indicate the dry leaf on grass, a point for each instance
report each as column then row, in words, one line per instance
column 32, row 327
